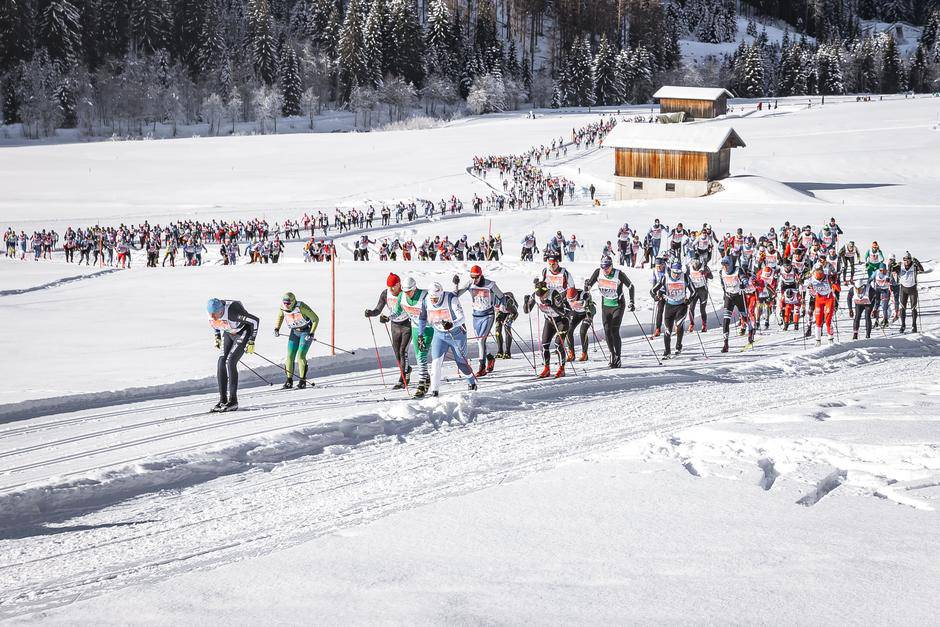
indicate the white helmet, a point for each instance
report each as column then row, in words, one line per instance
column 410, row 284
column 436, row 292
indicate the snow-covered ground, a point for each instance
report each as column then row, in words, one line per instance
column 779, row 484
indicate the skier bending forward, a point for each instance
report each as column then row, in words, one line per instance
column 240, row 329
column 442, row 311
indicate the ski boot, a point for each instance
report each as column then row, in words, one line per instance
column 490, row 363
column 724, row 349
column 786, row 326
column 914, row 328
column 855, row 335
column 766, row 324
column 678, row 350
column 289, row 384
column 422, row 390
column 742, row 330
column 583, row 357
column 796, row 326
column 481, row 371
column 232, row 405
column 472, row 386
column 750, row 336
column 691, row 327
column 500, row 356
column 657, row 332
column 570, row 355
column 667, row 354
column 302, row 384
column 614, row 362
column 560, row 372
column 704, row 327
column 435, row 394
column 219, row 407
column 546, row 372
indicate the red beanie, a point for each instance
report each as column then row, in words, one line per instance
column 392, row 280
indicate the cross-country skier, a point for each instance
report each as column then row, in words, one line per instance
column 697, row 277
column 659, row 271
column 732, row 284
column 674, row 291
column 883, row 285
column 485, row 294
column 791, row 304
column 302, row 322
column 873, row 258
column 554, row 328
column 442, row 311
column 400, row 327
column 610, row 283
column 907, row 285
column 860, row 304
column 235, row 332
column 580, row 320
column 556, row 278
column 410, row 301
column 506, row 313
column 824, row 295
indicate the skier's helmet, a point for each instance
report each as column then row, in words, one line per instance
column 860, row 284
column 392, row 280
column 410, row 284
column 696, row 264
column 820, row 274
column 727, row 263
column 476, row 272
column 607, row 263
column 675, row 270
column 883, row 268
column 215, row 306
column 572, row 293
column 289, row 300
column 436, row 292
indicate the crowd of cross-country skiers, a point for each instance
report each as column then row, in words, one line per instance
column 792, row 275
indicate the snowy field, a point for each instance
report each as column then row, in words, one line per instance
column 779, row 484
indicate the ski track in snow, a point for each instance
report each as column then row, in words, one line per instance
column 193, row 507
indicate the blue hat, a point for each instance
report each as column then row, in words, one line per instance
column 727, row 262
column 607, row 262
column 214, row 306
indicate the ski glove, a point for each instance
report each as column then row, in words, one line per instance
column 632, row 307
column 383, row 319
column 218, row 342
column 277, row 333
column 422, row 344
column 447, row 325
column 368, row 313
column 456, row 279
column 250, row 349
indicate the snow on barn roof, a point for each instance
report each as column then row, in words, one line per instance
column 682, row 137
column 691, row 93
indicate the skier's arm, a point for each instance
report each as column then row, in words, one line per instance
column 658, row 288
column 372, row 313
column 591, row 281
column 310, row 315
column 237, row 313
column 279, row 321
column 625, row 280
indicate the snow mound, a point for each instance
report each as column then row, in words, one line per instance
column 759, row 189
column 61, row 498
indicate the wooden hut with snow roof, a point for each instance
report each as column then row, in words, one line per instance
column 669, row 160
column 696, row 102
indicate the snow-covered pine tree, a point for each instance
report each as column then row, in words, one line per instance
column 148, row 25
column 375, row 42
column 892, row 73
column 440, row 56
column 579, row 75
column 211, row 49
column 896, row 10
column 407, row 43
column 350, row 49
column 790, row 75
column 751, row 73
column 919, row 75
column 608, row 88
column 261, row 43
column 60, row 33
column 486, row 42
column 829, row 70
column 513, row 69
column 291, row 87
column 864, row 77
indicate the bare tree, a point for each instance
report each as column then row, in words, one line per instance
column 310, row 103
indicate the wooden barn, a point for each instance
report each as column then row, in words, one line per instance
column 669, row 160
column 696, row 102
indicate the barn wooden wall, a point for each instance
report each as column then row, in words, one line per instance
column 700, row 109
column 662, row 164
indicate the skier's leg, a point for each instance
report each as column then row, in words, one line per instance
column 548, row 333
column 221, row 371
column 231, row 365
column 585, row 325
column 681, row 312
column 293, row 342
column 306, row 341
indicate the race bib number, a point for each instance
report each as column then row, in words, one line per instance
column 482, row 298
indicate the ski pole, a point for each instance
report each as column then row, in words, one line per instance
column 563, row 350
column 255, row 372
column 531, row 337
column 699, row 336
column 648, row 341
column 598, row 340
column 377, row 358
column 522, row 349
column 327, row 344
column 282, row 367
column 401, row 367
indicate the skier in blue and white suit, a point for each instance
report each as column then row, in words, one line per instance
column 442, row 311
column 486, row 295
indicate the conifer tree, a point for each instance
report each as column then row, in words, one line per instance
column 608, row 88
column 261, row 44
column 891, row 70
column 291, row 87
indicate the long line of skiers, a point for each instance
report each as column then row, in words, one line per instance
column 802, row 281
